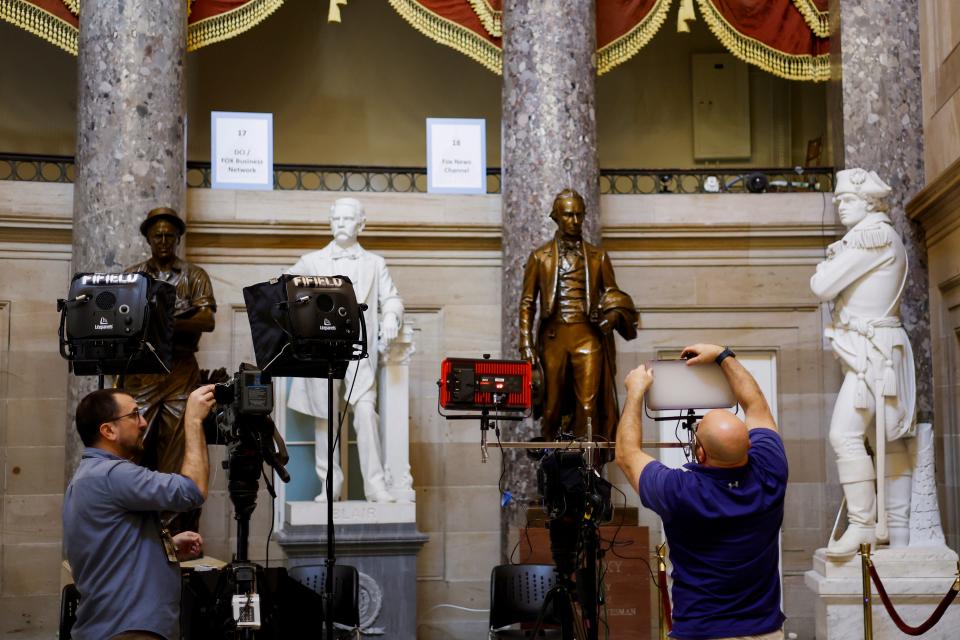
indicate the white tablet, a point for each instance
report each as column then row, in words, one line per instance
column 677, row 386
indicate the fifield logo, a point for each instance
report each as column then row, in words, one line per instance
column 109, row 278
column 103, row 325
column 317, row 281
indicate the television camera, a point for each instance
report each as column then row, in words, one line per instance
column 241, row 421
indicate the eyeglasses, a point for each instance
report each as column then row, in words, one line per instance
column 139, row 411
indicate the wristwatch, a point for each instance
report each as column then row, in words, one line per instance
column 726, row 353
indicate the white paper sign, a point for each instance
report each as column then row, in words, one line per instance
column 241, row 155
column 456, row 155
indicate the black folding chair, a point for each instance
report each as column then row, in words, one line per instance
column 346, row 594
column 517, row 593
column 69, row 601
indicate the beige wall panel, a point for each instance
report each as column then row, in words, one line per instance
column 29, row 614
column 45, row 426
column 430, row 558
column 940, row 67
column 430, row 507
column 463, row 463
column 422, row 457
column 32, row 519
column 31, row 570
column 471, row 555
column 473, row 509
column 942, row 139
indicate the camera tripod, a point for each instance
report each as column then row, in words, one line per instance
column 577, row 501
column 576, row 623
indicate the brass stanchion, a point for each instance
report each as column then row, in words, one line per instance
column 661, row 570
column 867, row 593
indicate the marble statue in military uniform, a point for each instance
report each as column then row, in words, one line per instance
column 864, row 276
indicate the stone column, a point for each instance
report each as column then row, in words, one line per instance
column 130, row 140
column 876, row 50
column 549, row 143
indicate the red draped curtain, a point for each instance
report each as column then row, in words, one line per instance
column 789, row 38
column 58, row 22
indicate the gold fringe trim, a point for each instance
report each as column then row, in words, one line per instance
column 818, row 21
column 232, row 23
column 627, row 45
column 752, row 51
column 40, row 23
column 451, row 34
column 492, row 20
column 74, row 6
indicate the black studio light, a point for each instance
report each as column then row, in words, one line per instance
column 117, row 323
column 304, row 325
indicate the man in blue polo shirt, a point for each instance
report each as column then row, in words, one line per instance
column 722, row 513
column 124, row 562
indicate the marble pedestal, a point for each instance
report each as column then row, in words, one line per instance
column 379, row 539
column 916, row 579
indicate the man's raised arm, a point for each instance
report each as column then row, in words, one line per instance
column 755, row 408
column 196, row 465
column 630, row 457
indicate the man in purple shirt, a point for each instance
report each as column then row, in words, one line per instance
column 721, row 514
column 124, row 563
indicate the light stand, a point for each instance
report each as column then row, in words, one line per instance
column 328, row 489
column 310, row 327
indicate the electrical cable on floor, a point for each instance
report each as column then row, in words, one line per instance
column 456, row 606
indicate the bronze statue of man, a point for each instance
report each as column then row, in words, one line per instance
column 163, row 397
column 580, row 306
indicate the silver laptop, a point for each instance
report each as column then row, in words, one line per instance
column 677, row 386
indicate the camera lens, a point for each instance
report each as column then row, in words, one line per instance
column 324, row 302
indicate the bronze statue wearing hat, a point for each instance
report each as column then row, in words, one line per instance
column 164, row 397
column 580, row 306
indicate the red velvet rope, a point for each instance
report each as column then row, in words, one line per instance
column 897, row 620
column 665, row 598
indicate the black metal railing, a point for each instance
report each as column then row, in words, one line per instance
column 301, row 177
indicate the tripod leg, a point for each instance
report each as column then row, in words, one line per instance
column 571, row 626
column 579, row 630
column 547, row 599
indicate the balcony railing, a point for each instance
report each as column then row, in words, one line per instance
column 301, row 177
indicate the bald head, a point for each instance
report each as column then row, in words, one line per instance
column 724, row 439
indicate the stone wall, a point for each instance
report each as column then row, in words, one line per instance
column 726, row 268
